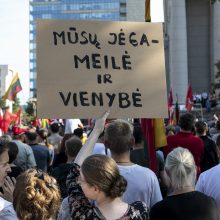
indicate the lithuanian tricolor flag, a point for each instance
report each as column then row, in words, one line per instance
column 13, row 89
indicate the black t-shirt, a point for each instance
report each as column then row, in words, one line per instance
column 210, row 158
column 60, row 174
column 186, row 206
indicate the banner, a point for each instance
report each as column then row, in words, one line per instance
column 87, row 67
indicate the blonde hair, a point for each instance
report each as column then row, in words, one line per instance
column 36, row 196
column 180, row 168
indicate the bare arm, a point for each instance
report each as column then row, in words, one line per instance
column 87, row 148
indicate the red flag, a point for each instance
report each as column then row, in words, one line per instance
column 18, row 119
column 189, row 99
column 148, row 131
column 6, row 121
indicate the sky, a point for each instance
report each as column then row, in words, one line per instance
column 14, row 37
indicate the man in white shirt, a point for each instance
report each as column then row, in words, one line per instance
column 142, row 182
column 72, row 124
column 208, row 183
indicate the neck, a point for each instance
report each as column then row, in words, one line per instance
column 183, row 190
column 186, row 131
column 121, row 158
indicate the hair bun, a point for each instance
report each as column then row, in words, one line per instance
column 118, row 187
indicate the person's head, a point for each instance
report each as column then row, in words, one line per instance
column 218, row 125
column 54, row 127
column 100, row 173
column 12, row 152
column 5, row 138
column 187, row 122
column 4, row 162
column 138, row 134
column 78, row 132
column 62, row 147
column 19, row 133
column 170, row 130
column 43, row 133
column 31, row 137
column 180, row 168
column 119, row 136
column 73, row 146
column 201, row 128
column 36, row 196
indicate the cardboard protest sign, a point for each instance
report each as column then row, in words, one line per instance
column 87, row 67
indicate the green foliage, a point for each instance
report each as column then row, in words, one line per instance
column 16, row 105
column 2, row 103
column 217, row 75
column 30, row 109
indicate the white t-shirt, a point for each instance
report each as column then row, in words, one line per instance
column 142, row 185
column 208, row 183
column 99, row 148
column 71, row 125
column 7, row 211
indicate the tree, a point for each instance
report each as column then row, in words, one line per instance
column 217, row 75
column 2, row 103
column 30, row 108
column 16, row 105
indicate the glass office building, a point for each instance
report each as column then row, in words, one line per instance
column 114, row 10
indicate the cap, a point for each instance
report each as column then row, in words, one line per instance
column 18, row 130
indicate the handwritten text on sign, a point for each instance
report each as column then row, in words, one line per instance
column 85, row 68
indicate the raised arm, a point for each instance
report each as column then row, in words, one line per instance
column 87, row 148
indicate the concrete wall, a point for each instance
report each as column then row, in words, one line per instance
column 198, row 37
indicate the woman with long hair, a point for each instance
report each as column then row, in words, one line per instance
column 96, row 186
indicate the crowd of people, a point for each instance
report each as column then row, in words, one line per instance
column 61, row 173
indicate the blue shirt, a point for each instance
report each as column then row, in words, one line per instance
column 42, row 156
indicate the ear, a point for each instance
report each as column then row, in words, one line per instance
column 106, row 143
column 96, row 189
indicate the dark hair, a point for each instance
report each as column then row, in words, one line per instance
column 61, row 147
column 43, row 133
column 73, row 146
column 55, row 127
column 187, row 121
column 119, row 136
column 13, row 151
column 102, row 171
column 218, row 141
column 78, row 132
column 138, row 134
column 3, row 148
column 200, row 127
column 31, row 135
column 218, row 125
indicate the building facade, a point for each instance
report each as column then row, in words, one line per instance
column 192, row 45
column 6, row 76
column 106, row 10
